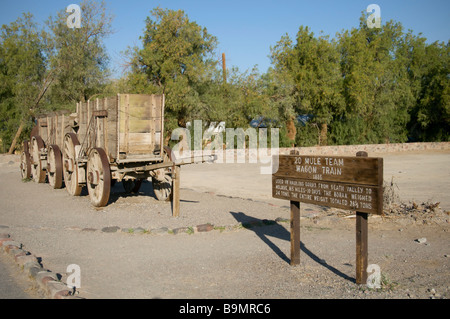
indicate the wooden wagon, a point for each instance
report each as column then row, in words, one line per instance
column 118, row 138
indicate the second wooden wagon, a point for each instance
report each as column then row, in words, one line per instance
column 117, row 138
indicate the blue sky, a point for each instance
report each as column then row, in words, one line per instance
column 247, row 29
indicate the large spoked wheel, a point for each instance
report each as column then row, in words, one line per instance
column 162, row 181
column 37, row 169
column 25, row 165
column 54, row 167
column 98, row 177
column 70, row 168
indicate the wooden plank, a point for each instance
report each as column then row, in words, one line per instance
column 60, row 138
column 176, row 191
column 126, row 116
column 295, row 233
column 361, row 247
column 161, row 109
column 355, row 170
column 47, row 138
column 112, row 105
column 104, row 123
column 153, row 122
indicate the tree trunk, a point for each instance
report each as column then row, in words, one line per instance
column 291, row 130
column 14, row 141
column 323, row 134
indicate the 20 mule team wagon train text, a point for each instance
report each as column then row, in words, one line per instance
column 351, row 183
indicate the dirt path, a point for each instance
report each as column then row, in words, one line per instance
column 247, row 254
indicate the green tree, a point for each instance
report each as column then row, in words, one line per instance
column 176, row 59
column 311, row 81
column 375, row 86
column 78, row 62
column 318, row 79
column 427, row 66
column 50, row 69
column 281, row 88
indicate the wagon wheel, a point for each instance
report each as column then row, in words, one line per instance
column 25, row 165
column 37, row 169
column 162, row 182
column 54, row 167
column 70, row 168
column 132, row 185
column 98, row 176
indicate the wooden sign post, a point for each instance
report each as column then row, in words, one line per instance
column 353, row 183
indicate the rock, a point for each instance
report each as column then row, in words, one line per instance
column 34, row 270
column 180, row 230
column 10, row 245
column 161, row 230
column 32, row 266
column 282, row 220
column 110, row 229
column 57, row 289
column 205, row 227
column 45, row 276
column 23, row 259
column 138, row 230
column 422, row 240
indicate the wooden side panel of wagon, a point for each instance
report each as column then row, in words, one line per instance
column 140, row 127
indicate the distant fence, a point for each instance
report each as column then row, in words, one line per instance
column 369, row 148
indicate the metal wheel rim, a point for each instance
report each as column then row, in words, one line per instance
column 54, row 167
column 98, row 177
column 71, row 177
column 25, row 165
column 37, row 171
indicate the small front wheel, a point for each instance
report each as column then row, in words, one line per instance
column 162, row 181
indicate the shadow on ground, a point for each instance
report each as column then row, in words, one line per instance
column 273, row 229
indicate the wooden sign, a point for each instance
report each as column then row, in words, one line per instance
column 354, row 170
column 353, row 183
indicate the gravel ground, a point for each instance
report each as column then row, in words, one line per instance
column 134, row 248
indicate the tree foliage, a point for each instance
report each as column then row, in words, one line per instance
column 175, row 60
column 22, row 68
column 366, row 85
column 50, row 68
column 77, row 57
